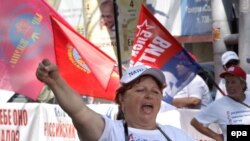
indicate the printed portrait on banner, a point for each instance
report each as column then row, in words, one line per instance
column 100, row 25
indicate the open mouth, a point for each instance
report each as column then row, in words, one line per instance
column 147, row 108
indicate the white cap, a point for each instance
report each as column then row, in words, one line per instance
column 135, row 72
column 227, row 56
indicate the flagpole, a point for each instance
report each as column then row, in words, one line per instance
column 117, row 37
column 213, row 82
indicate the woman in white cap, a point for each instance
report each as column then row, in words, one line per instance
column 229, row 59
column 233, row 109
column 139, row 99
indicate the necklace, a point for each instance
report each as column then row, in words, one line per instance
column 240, row 101
column 125, row 125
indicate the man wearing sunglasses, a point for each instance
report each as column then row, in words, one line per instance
column 229, row 59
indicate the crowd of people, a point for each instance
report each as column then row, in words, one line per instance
column 139, row 100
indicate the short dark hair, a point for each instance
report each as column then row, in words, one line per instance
column 121, row 91
column 232, row 62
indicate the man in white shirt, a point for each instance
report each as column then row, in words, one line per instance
column 196, row 94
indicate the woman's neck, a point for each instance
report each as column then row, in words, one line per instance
column 240, row 98
column 142, row 125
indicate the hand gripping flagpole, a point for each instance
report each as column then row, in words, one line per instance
column 117, row 37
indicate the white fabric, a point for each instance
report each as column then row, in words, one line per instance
column 5, row 95
column 227, row 56
column 223, row 87
column 114, row 131
column 172, row 114
column 225, row 111
column 45, row 95
column 134, row 72
column 196, row 88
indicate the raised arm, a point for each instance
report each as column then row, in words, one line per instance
column 88, row 123
column 206, row 131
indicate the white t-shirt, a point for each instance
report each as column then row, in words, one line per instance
column 196, row 88
column 223, row 87
column 225, row 111
column 114, row 131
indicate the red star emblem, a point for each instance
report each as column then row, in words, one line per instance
column 143, row 26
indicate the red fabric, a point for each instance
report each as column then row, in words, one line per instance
column 193, row 56
column 149, row 29
column 154, row 46
column 234, row 71
column 84, row 66
column 25, row 38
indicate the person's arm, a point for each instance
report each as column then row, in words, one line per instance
column 206, row 131
column 193, row 94
column 88, row 123
column 186, row 102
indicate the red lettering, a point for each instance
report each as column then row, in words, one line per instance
column 20, row 117
column 59, row 130
column 9, row 135
column 2, row 135
column 5, row 117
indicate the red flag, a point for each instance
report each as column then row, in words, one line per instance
column 25, row 38
column 154, row 46
column 83, row 65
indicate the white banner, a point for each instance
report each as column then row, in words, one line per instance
column 5, row 95
column 35, row 122
column 43, row 122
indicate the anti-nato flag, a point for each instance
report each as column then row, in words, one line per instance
column 154, row 46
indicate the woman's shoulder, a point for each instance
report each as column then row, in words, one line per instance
column 197, row 81
column 216, row 105
column 112, row 123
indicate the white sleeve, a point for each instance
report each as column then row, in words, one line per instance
column 197, row 87
column 207, row 115
column 113, row 130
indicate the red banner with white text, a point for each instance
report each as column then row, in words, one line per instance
column 154, row 46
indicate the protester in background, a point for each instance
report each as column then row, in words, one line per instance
column 139, row 100
column 195, row 94
column 229, row 59
column 228, row 110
